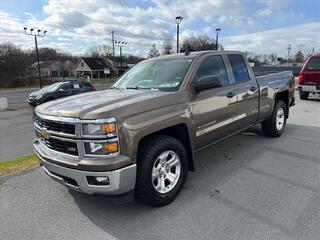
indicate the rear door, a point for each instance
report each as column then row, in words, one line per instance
column 311, row 72
column 214, row 111
column 247, row 90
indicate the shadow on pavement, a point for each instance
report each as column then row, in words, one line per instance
column 205, row 199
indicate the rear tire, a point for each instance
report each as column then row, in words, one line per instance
column 274, row 125
column 157, row 183
column 303, row 95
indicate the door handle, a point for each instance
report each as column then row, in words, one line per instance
column 252, row 89
column 231, row 94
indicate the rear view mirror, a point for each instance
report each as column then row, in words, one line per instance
column 205, row 83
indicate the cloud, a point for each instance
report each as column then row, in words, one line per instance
column 276, row 40
column 76, row 25
column 264, row 12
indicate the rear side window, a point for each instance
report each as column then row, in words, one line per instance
column 67, row 87
column 313, row 64
column 213, row 65
column 239, row 68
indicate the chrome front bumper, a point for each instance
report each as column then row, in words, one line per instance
column 120, row 181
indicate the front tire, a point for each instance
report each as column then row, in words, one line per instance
column 162, row 170
column 274, row 125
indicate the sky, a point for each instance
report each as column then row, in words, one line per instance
column 255, row 26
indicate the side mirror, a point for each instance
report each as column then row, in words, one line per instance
column 60, row 90
column 205, row 83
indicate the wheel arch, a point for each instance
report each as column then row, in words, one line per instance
column 283, row 96
column 179, row 131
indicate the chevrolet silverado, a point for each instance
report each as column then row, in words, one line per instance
column 141, row 135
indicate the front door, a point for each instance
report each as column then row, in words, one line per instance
column 214, row 111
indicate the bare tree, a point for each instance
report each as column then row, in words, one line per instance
column 167, row 47
column 99, row 51
column 299, row 57
column 201, row 43
column 153, row 52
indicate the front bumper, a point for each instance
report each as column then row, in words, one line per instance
column 120, row 181
column 33, row 102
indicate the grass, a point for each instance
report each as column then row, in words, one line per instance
column 19, row 164
column 104, row 80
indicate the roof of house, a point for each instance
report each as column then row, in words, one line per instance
column 96, row 63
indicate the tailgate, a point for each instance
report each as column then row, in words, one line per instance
column 311, row 77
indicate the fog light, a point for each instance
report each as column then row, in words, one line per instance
column 100, row 180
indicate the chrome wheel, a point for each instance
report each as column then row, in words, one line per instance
column 280, row 118
column 166, row 172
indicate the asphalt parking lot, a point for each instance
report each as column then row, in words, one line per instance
column 245, row 187
column 16, row 133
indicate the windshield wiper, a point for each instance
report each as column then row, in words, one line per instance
column 138, row 87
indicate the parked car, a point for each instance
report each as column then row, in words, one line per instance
column 141, row 135
column 309, row 77
column 59, row 90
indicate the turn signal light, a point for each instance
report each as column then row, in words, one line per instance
column 108, row 127
column 111, row 147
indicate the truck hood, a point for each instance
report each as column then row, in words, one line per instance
column 91, row 105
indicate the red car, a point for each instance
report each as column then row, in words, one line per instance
column 309, row 77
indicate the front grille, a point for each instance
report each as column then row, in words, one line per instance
column 61, row 146
column 55, row 126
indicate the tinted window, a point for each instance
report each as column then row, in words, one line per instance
column 213, row 65
column 239, row 68
column 313, row 64
column 67, row 87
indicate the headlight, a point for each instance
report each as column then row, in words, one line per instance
column 100, row 128
column 39, row 96
column 101, row 148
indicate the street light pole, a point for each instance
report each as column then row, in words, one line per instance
column 178, row 21
column 120, row 44
column 218, row 30
column 37, row 34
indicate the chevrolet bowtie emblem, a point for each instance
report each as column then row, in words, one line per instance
column 44, row 133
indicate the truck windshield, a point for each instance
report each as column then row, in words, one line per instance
column 155, row 74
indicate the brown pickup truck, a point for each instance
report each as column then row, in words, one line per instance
column 140, row 136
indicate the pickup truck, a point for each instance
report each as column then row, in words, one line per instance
column 140, row 136
column 309, row 77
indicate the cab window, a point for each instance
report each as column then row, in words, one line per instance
column 213, row 65
column 239, row 68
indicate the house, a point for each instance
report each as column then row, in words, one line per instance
column 51, row 69
column 95, row 67
column 92, row 66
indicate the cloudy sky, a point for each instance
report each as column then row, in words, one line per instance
column 259, row 26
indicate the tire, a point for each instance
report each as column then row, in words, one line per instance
column 303, row 95
column 153, row 152
column 272, row 126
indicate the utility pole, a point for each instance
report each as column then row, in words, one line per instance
column 113, row 55
column 289, row 49
column 37, row 34
column 178, row 21
column 218, row 30
column 120, row 44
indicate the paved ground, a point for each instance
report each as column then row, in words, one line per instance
column 16, row 133
column 20, row 95
column 246, row 187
